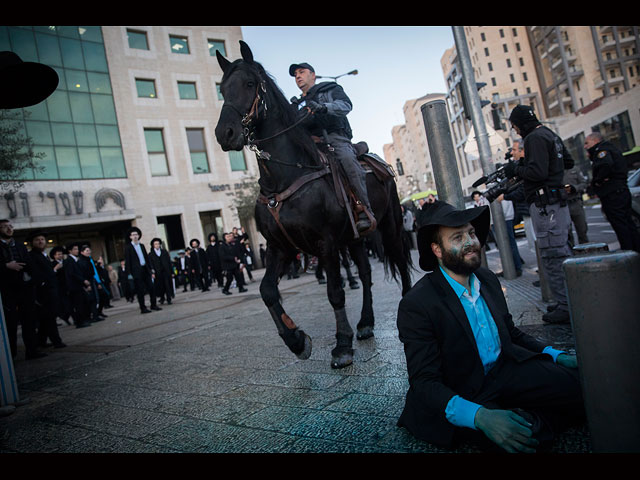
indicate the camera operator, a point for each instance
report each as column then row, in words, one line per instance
column 542, row 172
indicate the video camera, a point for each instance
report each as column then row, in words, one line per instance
column 497, row 182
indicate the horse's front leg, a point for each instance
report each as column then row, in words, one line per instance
column 297, row 341
column 366, row 323
column 342, row 354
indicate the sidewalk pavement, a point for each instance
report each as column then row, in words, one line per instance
column 209, row 374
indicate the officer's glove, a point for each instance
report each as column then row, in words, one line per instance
column 315, row 107
column 510, row 169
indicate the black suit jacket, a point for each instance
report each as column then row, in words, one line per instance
column 161, row 264
column 441, row 352
column 132, row 261
column 44, row 277
column 74, row 274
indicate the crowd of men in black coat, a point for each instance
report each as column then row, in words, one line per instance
column 38, row 288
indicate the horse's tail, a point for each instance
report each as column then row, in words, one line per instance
column 397, row 246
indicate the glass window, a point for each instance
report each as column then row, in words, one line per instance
column 90, row 163
column 237, row 161
column 85, row 135
column 146, row 88
column 179, row 44
column 58, row 106
column 108, row 136
column 68, row 162
column 156, row 152
column 81, row 110
column 198, row 150
column 63, row 134
column 99, row 83
column 95, row 57
column 216, row 45
column 24, row 44
column 49, row 49
column 113, row 162
column 92, row 34
column 104, row 110
column 71, row 53
column 48, row 168
column 617, row 130
column 76, row 80
column 187, row 90
column 40, row 132
column 220, row 97
column 137, row 40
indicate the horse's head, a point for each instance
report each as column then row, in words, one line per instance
column 241, row 89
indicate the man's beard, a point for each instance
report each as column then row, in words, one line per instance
column 458, row 264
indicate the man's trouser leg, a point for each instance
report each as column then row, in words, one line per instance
column 551, row 225
column 356, row 175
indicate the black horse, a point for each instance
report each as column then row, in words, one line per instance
column 298, row 208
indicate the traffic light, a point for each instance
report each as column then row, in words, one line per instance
column 495, row 115
column 466, row 106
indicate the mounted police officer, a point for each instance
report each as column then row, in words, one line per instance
column 330, row 105
column 542, row 171
column 610, row 184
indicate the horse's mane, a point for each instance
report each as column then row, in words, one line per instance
column 280, row 107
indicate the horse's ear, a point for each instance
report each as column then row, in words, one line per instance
column 223, row 62
column 247, row 56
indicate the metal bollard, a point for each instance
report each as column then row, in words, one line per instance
column 605, row 316
column 588, row 248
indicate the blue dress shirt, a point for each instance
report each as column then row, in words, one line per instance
column 138, row 250
column 459, row 411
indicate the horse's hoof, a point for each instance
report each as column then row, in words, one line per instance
column 364, row 333
column 342, row 360
column 306, row 351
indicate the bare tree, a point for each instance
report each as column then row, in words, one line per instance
column 16, row 151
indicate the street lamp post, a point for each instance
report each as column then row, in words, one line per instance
column 335, row 79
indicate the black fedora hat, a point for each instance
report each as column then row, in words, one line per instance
column 23, row 84
column 134, row 229
column 441, row 213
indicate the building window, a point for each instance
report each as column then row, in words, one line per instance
column 518, row 46
column 504, row 47
column 508, row 62
column 493, row 81
column 137, row 40
column 501, row 33
column 220, row 97
column 146, row 88
column 521, row 60
column 197, row 150
column 187, row 90
column 216, row 45
column 483, row 37
column 179, row 44
column 515, row 32
column 486, row 52
column 237, row 161
column 524, row 76
column 490, row 65
column 156, row 152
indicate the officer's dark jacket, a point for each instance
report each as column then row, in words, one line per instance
column 338, row 106
column 545, row 161
column 609, row 169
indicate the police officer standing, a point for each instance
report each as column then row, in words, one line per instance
column 609, row 183
column 330, row 105
column 542, row 172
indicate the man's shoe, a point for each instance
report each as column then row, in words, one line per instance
column 557, row 317
column 145, row 310
column 242, row 290
column 59, row 345
column 34, row 355
column 155, row 307
column 226, row 292
column 82, row 325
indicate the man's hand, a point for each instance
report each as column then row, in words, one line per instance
column 510, row 169
column 507, row 429
column 17, row 266
column 315, row 107
column 566, row 360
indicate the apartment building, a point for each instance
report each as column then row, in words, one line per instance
column 409, row 151
column 128, row 136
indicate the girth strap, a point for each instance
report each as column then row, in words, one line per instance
column 274, row 202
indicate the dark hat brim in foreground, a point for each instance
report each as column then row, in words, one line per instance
column 23, row 84
column 443, row 214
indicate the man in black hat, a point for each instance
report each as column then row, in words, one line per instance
column 18, row 292
column 161, row 263
column 330, row 105
column 78, row 287
column 137, row 263
column 473, row 375
column 46, row 292
column 542, row 171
